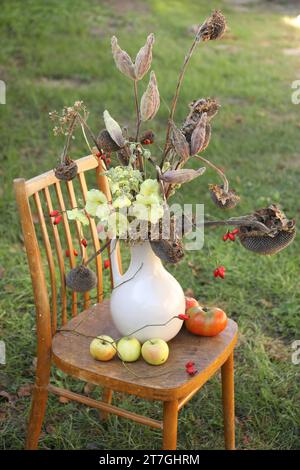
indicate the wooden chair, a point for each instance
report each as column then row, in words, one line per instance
column 69, row 351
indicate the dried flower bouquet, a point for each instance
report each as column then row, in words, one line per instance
column 139, row 200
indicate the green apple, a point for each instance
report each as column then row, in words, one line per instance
column 155, row 351
column 103, row 348
column 129, row 349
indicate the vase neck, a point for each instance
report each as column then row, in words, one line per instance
column 143, row 253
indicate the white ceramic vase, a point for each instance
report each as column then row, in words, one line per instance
column 150, row 296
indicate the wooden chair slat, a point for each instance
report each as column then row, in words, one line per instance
column 69, row 240
column 79, row 232
column 96, row 242
column 37, row 183
column 50, row 259
column 60, row 258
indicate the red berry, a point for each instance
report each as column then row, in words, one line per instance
column 191, row 370
column 231, row 236
column 67, row 253
column 98, row 154
column 108, row 161
column 189, row 364
column 106, row 263
column 216, row 272
column 57, row 219
column 54, row 213
column 103, row 156
column 235, row 231
column 225, row 236
column 84, row 242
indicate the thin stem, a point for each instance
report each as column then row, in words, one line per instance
column 85, row 137
column 98, row 252
column 239, row 221
column 89, row 131
column 68, row 139
column 218, row 170
column 179, row 83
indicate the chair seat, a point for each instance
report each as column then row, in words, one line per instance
column 167, row 382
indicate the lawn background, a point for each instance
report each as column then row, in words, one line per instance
column 53, row 53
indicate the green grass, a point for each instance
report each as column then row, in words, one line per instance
column 52, row 54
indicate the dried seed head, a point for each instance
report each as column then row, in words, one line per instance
column 113, row 129
column 180, row 143
column 281, row 231
column 198, row 135
column 223, row 199
column 266, row 245
column 181, row 176
column 106, row 143
column 214, row 27
column 144, row 58
column 150, row 100
column 81, row 279
column 66, row 170
column 197, row 109
column 122, row 59
column 168, row 250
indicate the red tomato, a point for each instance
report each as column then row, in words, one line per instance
column 190, row 302
column 206, row 321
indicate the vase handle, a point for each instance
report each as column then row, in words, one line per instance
column 114, row 261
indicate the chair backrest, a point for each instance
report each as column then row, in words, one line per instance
column 41, row 236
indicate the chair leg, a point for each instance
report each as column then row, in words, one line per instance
column 37, row 413
column 38, row 403
column 106, row 398
column 227, row 372
column 170, row 424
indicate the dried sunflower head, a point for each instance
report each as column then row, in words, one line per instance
column 214, row 27
column 67, row 170
column 282, row 232
column 223, row 199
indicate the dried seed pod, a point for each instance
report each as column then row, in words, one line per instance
column 122, row 59
column 66, row 170
column 144, row 58
column 170, row 251
column 198, row 135
column 223, row 199
column 266, row 245
column 81, row 279
column 106, row 143
column 181, row 176
column 113, row 129
column 180, row 143
column 207, row 137
column 150, row 100
column 214, row 27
